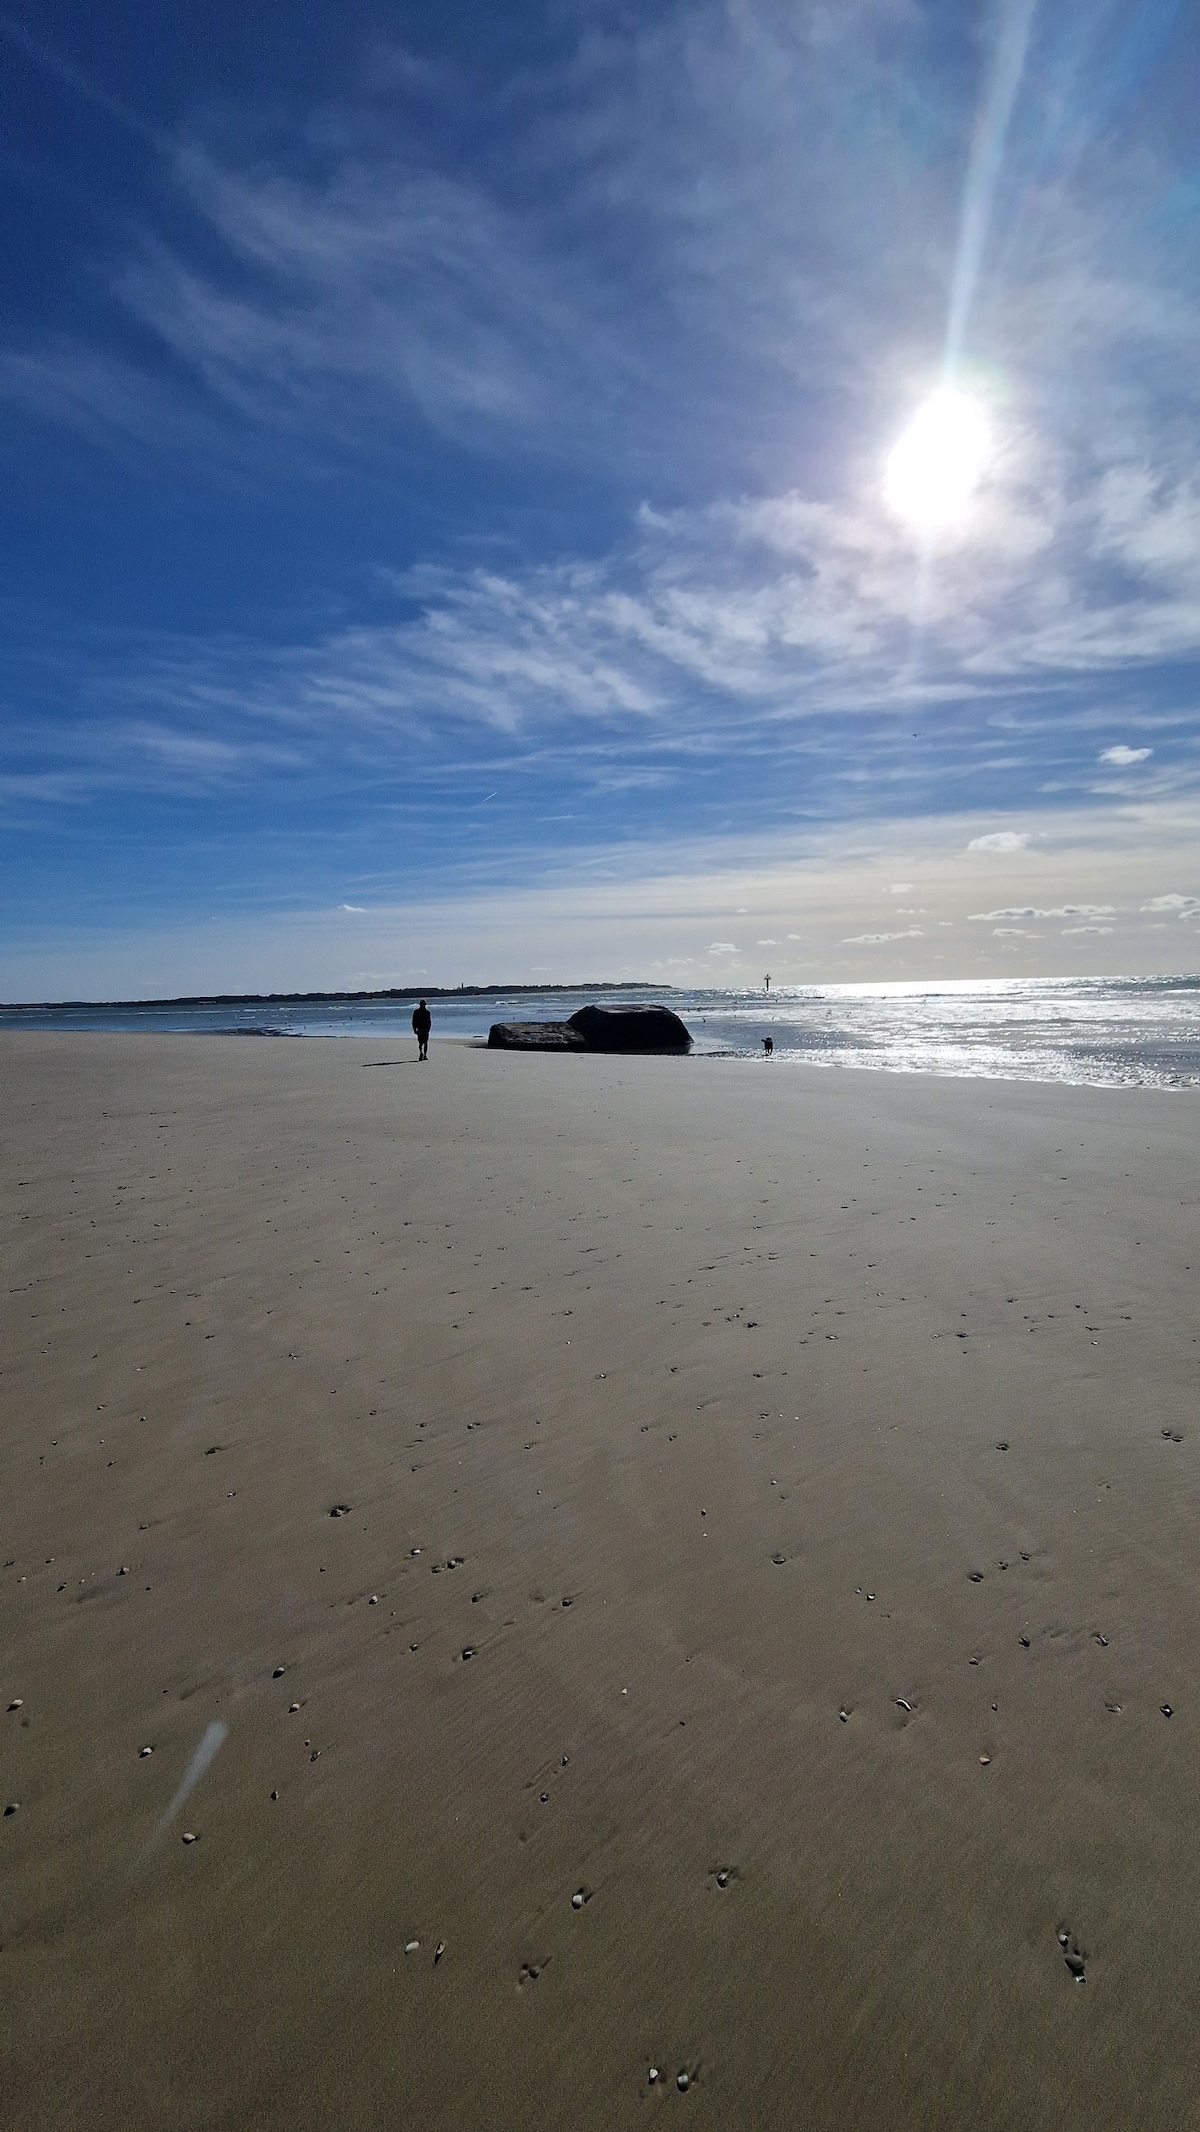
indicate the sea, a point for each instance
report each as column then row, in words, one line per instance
column 1106, row 1032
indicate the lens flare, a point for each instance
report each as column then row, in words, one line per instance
column 934, row 469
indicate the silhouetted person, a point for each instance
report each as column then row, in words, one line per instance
column 422, row 1023
column 769, row 1045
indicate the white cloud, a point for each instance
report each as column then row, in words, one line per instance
column 900, row 888
column 723, row 947
column 1001, row 840
column 874, row 940
column 1061, row 910
column 766, row 943
column 1122, row 756
column 1012, row 932
column 1069, row 929
column 359, row 910
column 1182, row 906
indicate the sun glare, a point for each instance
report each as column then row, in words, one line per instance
column 933, row 470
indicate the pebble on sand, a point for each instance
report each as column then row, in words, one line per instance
column 189, row 1836
column 13, row 1807
column 278, row 1673
column 143, row 1752
column 17, row 1703
column 438, row 1952
column 411, row 1946
column 682, row 2082
column 653, row 2074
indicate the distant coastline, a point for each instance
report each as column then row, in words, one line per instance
column 284, row 999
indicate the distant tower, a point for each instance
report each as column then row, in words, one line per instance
column 767, row 980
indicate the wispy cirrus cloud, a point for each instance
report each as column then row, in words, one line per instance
column 585, row 377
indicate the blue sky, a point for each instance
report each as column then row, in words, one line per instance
column 445, row 512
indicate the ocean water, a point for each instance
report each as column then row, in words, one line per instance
column 1116, row 1032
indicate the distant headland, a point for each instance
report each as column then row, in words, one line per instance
column 281, row 999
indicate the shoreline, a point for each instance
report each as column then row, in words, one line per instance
column 785, row 1056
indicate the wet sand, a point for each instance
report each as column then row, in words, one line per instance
column 771, row 1516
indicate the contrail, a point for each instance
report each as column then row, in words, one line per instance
column 74, row 78
column 979, row 193
column 987, row 154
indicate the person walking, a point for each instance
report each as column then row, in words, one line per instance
column 422, row 1023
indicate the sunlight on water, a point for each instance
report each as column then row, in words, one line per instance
column 1105, row 1032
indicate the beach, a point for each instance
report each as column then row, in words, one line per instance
column 759, row 1634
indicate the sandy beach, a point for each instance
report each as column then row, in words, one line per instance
column 769, row 1508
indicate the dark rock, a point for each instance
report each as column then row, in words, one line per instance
column 534, row 1036
column 638, row 1028
column 648, row 1028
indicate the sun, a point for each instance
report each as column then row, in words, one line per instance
column 933, row 470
